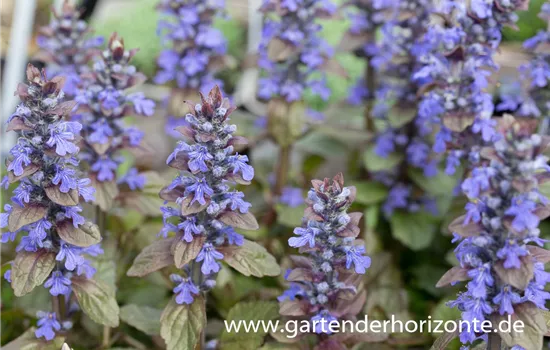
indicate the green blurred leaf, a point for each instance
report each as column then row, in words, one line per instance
column 370, row 192
column 322, row 145
column 375, row 163
column 144, row 318
column 290, row 216
column 440, row 184
column 414, row 230
column 28, row 341
column 249, row 311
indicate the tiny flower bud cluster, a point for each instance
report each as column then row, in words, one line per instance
column 45, row 206
column 455, row 75
column 499, row 244
column 531, row 101
column 196, row 47
column 103, row 102
column 66, row 46
column 321, row 283
column 209, row 208
column 291, row 51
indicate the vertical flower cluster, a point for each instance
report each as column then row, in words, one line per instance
column 45, row 208
column 321, row 283
column 499, row 244
column 396, row 59
column 196, row 48
column 291, row 51
column 531, row 100
column 367, row 17
column 455, row 100
column 67, row 47
column 209, row 208
column 103, row 103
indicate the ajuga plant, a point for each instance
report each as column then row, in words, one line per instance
column 395, row 60
column 103, row 103
column 66, row 46
column 293, row 55
column 367, row 18
column 454, row 100
column 531, row 99
column 199, row 230
column 45, row 211
column 195, row 49
column 326, row 283
column 499, row 243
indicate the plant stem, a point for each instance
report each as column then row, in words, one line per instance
column 101, row 219
column 197, row 276
column 370, row 79
column 494, row 342
column 281, row 173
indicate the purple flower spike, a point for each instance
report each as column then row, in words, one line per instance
column 43, row 164
column 203, row 195
column 328, row 237
column 294, row 27
column 66, row 46
column 497, row 235
column 104, row 105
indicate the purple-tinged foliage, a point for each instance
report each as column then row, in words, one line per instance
column 291, row 51
column 66, row 46
column 195, row 48
column 456, row 66
column 103, row 103
column 322, row 281
column 209, row 208
column 45, row 205
column 531, row 99
column 498, row 238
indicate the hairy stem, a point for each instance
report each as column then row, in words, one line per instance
column 101, row 219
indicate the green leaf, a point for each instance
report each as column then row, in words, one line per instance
column 289, row 216
column 440, row 184
column 145, row 201
column 370, row 192
column 30, row 269
column 322, row 145
column 144, row 318
column 181, row 325
column 415, row 230
column 84, row 235
column 375, row 163
column 28, row 341
column 399, row 116
column 248, row 311
column 97, row 300
column 152, row 258
column 251, row 259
